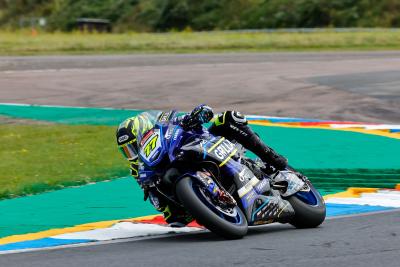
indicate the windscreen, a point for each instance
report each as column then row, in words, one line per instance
column 145, row 121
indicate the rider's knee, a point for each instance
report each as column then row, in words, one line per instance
column 230, row 117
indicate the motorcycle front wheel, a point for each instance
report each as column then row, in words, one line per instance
column 229, row 223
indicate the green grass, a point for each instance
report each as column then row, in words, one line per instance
column 37, row 158
column 23, row 43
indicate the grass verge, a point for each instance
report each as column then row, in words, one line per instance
column 37, row 158
column 24, row 43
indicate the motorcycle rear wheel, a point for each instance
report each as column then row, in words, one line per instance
column 307, row 215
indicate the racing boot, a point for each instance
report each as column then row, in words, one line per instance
column 269, row 209
column 176, row 217
column 233, row 125
column 173, row 215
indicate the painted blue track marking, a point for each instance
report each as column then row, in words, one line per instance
column 42, row 243
column 333, row 209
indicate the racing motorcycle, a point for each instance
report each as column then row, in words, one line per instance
column 212, row 179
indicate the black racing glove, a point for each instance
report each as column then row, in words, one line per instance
column 200, row 115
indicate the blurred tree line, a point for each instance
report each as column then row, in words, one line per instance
column 164, row 15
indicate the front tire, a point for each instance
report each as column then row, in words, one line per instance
column 188, row 192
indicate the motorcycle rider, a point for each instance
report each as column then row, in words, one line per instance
column 229, row 124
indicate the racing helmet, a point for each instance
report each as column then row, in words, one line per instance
column 129, row 131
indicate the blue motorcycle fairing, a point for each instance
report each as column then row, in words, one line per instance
column 249, row 198
column 174, row 136
column 179, row 140
column 152, row 146
column 151, row 140
column 146, row 176
column 165, row 139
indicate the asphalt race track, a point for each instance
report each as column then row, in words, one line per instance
column 357, row 86
column 368, row 240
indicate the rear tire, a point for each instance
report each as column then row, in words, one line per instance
column 306, row 215
column 193, row 202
